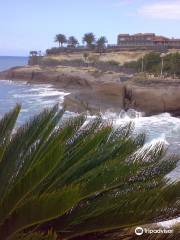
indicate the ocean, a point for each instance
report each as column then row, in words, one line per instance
column 32, row 97
column 8, row 62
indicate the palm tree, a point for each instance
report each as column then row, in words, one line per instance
column 61, row 39
column 33, row 53
column 89, row 39
column 70, row 179
column 72, row 41
column 101, row 44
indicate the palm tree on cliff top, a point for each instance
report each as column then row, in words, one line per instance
column 72, row 41
column 101, row 44
column 89, row 39
column 61, row 39
column 72, row 179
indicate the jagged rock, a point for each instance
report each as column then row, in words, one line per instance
column 105, row 91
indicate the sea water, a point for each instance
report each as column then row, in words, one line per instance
column 32, row 97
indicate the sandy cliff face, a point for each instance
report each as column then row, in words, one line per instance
column 94, row 91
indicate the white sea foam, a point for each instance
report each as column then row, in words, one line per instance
column 161, row 128
column 33, row 97
column 170, row 223
column 122, row 116
column 174, row 176
column 41, row 93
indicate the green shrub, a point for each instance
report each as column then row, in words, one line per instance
column 153, row 63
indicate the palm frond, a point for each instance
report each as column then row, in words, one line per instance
column 37, row 236
column 80, row 178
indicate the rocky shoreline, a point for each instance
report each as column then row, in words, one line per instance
column 96, row 91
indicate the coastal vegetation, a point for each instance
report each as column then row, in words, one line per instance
column 155, row 63
column 119, row 57
column 33, row 53
column 87, row 60
column 80, row 179
column 72, row 41
column 100, row 60
column 89, row 41
column 101, row 44
column 61, row 39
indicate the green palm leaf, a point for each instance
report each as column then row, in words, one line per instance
column 80, row 179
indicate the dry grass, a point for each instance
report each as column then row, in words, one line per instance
column 120, row 57
column 28, row 68
column 123, row 57
column 174, row 50
column 74, row 69
column 66, row 56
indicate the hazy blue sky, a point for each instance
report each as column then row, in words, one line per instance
column 32, row 24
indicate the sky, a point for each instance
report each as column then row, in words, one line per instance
column 32, row 24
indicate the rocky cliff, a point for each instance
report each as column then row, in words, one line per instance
column 96, row 91
column 154, row 97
